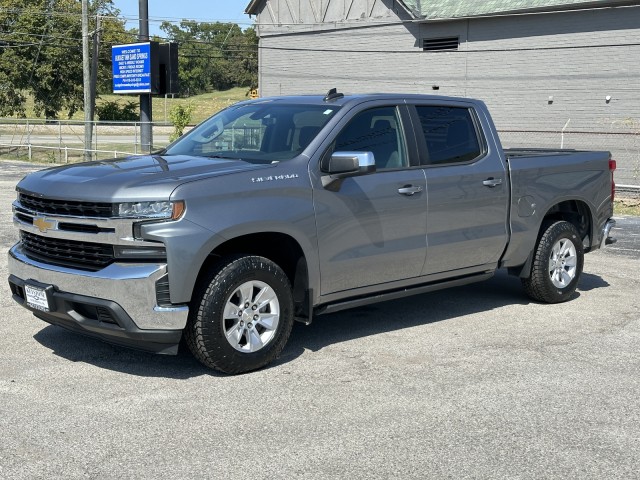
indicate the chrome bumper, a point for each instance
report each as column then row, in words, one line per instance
column 131, row 286
column 606, row 230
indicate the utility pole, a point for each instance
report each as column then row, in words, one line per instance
column 94, row 73
column 146, row 134
column 86, row 81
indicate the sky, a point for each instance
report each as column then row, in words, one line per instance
column 176, row 10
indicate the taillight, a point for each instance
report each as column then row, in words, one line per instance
column 612, row 168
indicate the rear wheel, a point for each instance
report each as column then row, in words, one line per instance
column 557, row 264
column 242, row 315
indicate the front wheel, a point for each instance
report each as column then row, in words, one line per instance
column 242, row 315
column 557, row 264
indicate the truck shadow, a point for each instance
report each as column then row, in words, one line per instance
column 405, row 313
column 325, row 330
column 444, row 305
column 589, row 281
column 78, row 348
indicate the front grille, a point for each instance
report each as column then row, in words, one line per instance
column 93, row 312
column 65, row 207
column 81, row 228
column 24, row 218
column 67, row 253
column 16, row 290
column 104, row 315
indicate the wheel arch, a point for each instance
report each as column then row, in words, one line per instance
column 575, row 211
column 281, row 248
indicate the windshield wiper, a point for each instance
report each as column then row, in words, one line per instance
column 227, row 157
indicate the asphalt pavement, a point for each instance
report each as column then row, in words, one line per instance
column 471, row 382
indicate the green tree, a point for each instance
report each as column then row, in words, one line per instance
column 213, row 56
column 41, row 53
column 112, row 32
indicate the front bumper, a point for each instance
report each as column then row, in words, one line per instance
column 117, row 304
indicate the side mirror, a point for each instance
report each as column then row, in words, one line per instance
column 348, row 164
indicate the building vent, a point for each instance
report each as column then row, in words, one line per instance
column 440, row 44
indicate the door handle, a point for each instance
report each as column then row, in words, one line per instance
column 410, row 190
column 492, row 182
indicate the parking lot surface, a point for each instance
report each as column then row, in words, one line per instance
column 471, row 382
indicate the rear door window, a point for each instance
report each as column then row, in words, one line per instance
column 450, row 134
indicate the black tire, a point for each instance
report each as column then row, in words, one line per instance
column 220, row 289
column 549, row 280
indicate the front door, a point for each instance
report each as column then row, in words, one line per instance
column 372, row 228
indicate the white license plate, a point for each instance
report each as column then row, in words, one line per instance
column 36, row 298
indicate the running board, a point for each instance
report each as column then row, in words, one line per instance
column 395, row 294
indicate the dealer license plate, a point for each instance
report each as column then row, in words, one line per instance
column 36, row 298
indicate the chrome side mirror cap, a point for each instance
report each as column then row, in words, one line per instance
column 348, row 164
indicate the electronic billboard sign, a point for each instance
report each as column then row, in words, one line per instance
column 135, row 68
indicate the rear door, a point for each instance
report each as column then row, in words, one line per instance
column 467, row 188
column 372, row 228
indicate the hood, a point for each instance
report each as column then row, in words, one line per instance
column 128, row 179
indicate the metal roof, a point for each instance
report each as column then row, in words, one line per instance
column 451, row 9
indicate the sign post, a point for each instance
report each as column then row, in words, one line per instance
column 146, row 132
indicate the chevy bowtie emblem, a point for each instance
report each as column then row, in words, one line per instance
column 43, row 224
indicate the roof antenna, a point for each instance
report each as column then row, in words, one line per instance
column 332, row 95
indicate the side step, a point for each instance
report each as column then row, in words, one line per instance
column 395, row 294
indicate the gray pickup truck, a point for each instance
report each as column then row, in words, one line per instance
column 280, row 209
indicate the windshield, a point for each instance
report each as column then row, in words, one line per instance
column 256, row 133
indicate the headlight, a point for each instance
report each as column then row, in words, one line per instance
column 159, row 210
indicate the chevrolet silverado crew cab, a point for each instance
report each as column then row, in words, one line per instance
column 281, row 209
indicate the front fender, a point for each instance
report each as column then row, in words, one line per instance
column 223, row 208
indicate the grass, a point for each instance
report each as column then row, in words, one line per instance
column 627, row 206
column 205, row 104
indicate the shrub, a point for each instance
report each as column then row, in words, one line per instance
column 116, row 112
column 180, row 116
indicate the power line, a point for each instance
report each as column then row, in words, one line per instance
column 177, row 20
column 129, row 18
column 231, row 47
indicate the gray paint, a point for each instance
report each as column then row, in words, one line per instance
column 360, row 236
column 457, row 196
column 547, row 180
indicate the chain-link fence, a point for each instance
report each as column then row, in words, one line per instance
column 624, row 146
column 60, row 141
